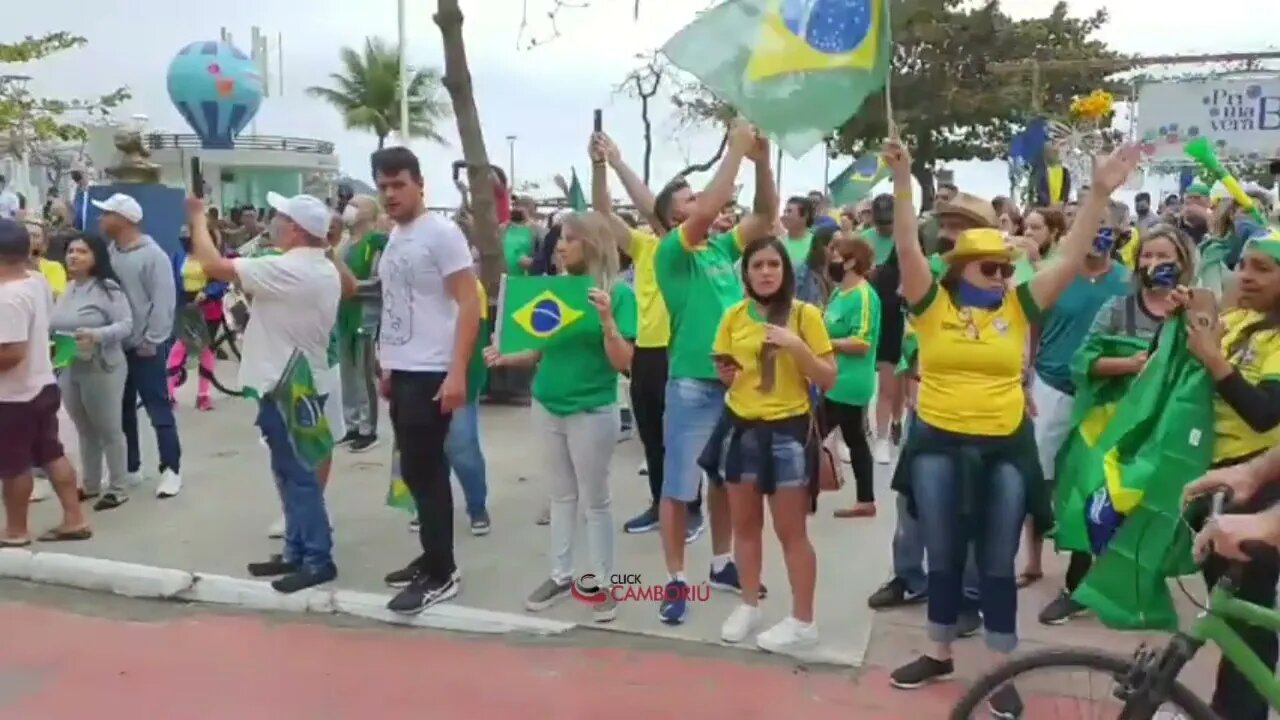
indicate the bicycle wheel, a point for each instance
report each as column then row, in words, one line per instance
column 969, row 707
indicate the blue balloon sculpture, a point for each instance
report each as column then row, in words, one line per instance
column 218, row 90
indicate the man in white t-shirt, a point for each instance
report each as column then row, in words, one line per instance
column 10, row 203
column 295, row 302
column 430, row 319
column 29, row 397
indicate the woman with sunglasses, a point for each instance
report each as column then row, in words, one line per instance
column 969, row 469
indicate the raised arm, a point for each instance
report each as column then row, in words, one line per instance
column 632, row 183
column 598, row 149
column 742, row 139
column 916, row 278
column 764, row 207
column 1053, row 278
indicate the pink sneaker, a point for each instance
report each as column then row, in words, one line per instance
column 204, row 403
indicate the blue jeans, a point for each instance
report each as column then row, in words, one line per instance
column 693, row 409
column 935, row 485
column 462, row 452
column 308, row 539
column 908, row 560
column 147, row 381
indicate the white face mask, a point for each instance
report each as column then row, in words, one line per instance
column 350, row 215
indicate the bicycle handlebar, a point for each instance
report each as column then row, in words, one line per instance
column 1256, row 550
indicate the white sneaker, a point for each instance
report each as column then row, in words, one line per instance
column 41, row 489
column 133, row 480
column 882, row 451
column 276, row 531
column 170, row 485
column 743, row 621
column 788, row 637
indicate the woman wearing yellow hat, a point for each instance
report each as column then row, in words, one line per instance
column 970, row 469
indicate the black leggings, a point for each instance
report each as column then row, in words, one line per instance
column 649, row 405
column 848, row 418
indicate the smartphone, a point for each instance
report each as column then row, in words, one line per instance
column 1203, row 308
column 197, row 179
column 458, row 167
column 726, row 359
column 598, row 121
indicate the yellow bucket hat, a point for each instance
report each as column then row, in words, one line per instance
column 980, row 242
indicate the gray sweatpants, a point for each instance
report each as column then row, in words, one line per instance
column 359, row 389
column 92, row 397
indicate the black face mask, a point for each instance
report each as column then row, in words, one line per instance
column 835, row 271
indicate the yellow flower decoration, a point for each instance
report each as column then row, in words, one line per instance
column 1093, row 107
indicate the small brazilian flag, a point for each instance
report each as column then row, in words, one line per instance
column 535, row 311
column 302, row 408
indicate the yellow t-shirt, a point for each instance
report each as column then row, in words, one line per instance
column 54, row 274
column 484, row 304
column 1257, row 361
column 741, row 334
column 654, row 325
column 971, row 362
column 1129, row 253
column 193, row 278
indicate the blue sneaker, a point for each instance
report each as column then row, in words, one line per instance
column 727, row 579
column 675, row 602
column 646, row 521
column 693, row 528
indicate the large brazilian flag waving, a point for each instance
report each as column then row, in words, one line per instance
column 1136, row 442
column 538, row 310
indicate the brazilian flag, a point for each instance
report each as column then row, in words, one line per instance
column 1135, row 444
column 856, row 182
column 63, row 350
column 535, row 311
column 302, row 408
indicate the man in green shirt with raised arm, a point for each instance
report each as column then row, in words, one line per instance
column 357, row 326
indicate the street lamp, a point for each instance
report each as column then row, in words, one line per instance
column 511, row 162
column 404, row 73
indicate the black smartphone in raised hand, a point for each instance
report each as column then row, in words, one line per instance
column 197, row 179
column 598, row 121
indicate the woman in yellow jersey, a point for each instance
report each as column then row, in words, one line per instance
column 1242, row 353
column 575, row 407
column 197, row 322
column 969, row 469
column 769, row 349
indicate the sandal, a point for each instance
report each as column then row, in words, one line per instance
column 1029, row 578
column 60, row 535
column 14, row 542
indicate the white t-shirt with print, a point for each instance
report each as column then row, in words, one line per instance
column 24, row 317
column 295, row 302
column 418, row 313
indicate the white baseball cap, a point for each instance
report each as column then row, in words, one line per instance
column 307, row 212
column 122, row 205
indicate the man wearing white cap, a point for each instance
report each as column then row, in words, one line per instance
column 295, row 304
column 146, row 276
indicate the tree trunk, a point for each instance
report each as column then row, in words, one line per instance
column 382, row 140
column 648, row 135
column 705, row 166
column 457, row 80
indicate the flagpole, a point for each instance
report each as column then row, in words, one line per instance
column 404, row 74
column 826, row 164
column 778, row 171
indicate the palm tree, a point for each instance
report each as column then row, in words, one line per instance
column 367, row 93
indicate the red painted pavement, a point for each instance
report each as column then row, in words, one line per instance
column 56, row 665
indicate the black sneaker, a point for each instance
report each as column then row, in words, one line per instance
column 968, row 624
column 110, row 501
column 402, row 577
column 1006, row 703
column 277, row 565
column 1061, row 610
column 480, row 524
column 349, row 437
column 421, row 594
column 303, row 579
column 363, row 443
column 920, row 672
column 894, row 593
column 86, row 495
column 646, row 521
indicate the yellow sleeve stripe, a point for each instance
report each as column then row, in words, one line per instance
column 863, row 331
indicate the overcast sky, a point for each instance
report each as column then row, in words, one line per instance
column 544, row 96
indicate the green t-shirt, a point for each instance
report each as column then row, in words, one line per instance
column 575, row 375
column 362, row 254
column 698, row 285
column 356, row 314
column 882, row 244
column 854, row 313
column 517, row 244
column 798, row 248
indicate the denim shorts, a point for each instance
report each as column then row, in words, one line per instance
column 693, row 409
column 787, row 456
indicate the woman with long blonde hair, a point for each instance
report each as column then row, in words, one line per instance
column 575, row 394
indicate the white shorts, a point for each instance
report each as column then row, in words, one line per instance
column 1052, row 422
column 333, row 405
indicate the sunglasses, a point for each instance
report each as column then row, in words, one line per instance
column 994, row 268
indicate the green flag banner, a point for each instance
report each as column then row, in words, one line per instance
column 577, row 199
column 535, row 311
column 398, row 496
column 302, row 408
column 64, row 350
column 1135, row 444
column 856, row 182
column 795, row 70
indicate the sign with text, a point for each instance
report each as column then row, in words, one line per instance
column 1241, row 117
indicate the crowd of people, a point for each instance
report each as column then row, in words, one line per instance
column 750, row 340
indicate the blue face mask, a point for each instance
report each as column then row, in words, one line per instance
column 1103, row 242
column 983, row 298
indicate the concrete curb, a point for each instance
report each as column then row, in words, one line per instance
column 145, row 581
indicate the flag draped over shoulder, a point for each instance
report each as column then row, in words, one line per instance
column 1136, row 442
column 796, row 69
column 302, row 408
column 537, row 310
column 856, row 182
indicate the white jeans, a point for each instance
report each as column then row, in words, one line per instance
column 577, row 450
column 1052, row 422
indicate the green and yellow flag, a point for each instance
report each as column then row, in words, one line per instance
column 302, row 408
column 398, row 495
column 535, row 311
column 64, row 350
column 856, row 182
column 577, row 198
column 796, row 69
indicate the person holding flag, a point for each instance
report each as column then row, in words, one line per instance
column 969, row 468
